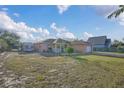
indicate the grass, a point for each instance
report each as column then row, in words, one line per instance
column 112, row 52
column 76, row 71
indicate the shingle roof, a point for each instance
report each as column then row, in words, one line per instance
column 59, row 40
column 79, row 42
column 49, row 41
column 97, row 40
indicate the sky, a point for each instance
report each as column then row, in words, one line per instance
column 36, row 23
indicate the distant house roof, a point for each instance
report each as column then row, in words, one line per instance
column 48, row 41
column 59, row 40
column 78, row 42
column 100, row 40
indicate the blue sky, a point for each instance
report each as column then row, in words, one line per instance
column 61, row 21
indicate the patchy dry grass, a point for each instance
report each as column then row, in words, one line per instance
column 78, row 71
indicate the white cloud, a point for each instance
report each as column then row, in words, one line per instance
column 86, row 35
column 63, row 8
column 22, row 29
column 62, row 32
column 28, row 33
column 120, row 19
column 4, row 9
column 16, row 14
column 106, row 10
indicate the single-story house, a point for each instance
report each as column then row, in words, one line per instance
column 100, row 42
column 81, row 46
column 27, row 47
column 47, row 45
column 51, row 45
column 59, row 45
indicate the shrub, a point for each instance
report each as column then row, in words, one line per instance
column 69, row 50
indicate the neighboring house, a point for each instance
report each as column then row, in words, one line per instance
column 80, row 46
column 47, row 45
column 27, row 47
column 53, row 45
column 40, row 47
column 100, row 42
column 59, row 45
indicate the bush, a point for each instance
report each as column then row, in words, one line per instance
column 69, row 50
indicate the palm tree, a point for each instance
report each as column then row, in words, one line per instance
column 117, row 12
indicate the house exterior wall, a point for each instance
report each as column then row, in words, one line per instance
column 99, row 46
column 27, row 47
column 109, row 45
column 59, row 47
column 100, row 42
column 102, row 46
column 56, row 50
column 82, row 48
column 89, row 49
column 41, row 47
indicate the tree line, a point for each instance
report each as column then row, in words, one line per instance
column 118, row 45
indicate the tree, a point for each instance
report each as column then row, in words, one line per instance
column 69, row 50
column 117, row 12
column 117, row 43
column 120, row 48
column 3, row 45
column 11, row 39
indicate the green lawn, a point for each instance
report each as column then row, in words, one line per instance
column 77, row 71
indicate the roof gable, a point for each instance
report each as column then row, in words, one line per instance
column 78, row 42
column 59, row 40
column 49, row 41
